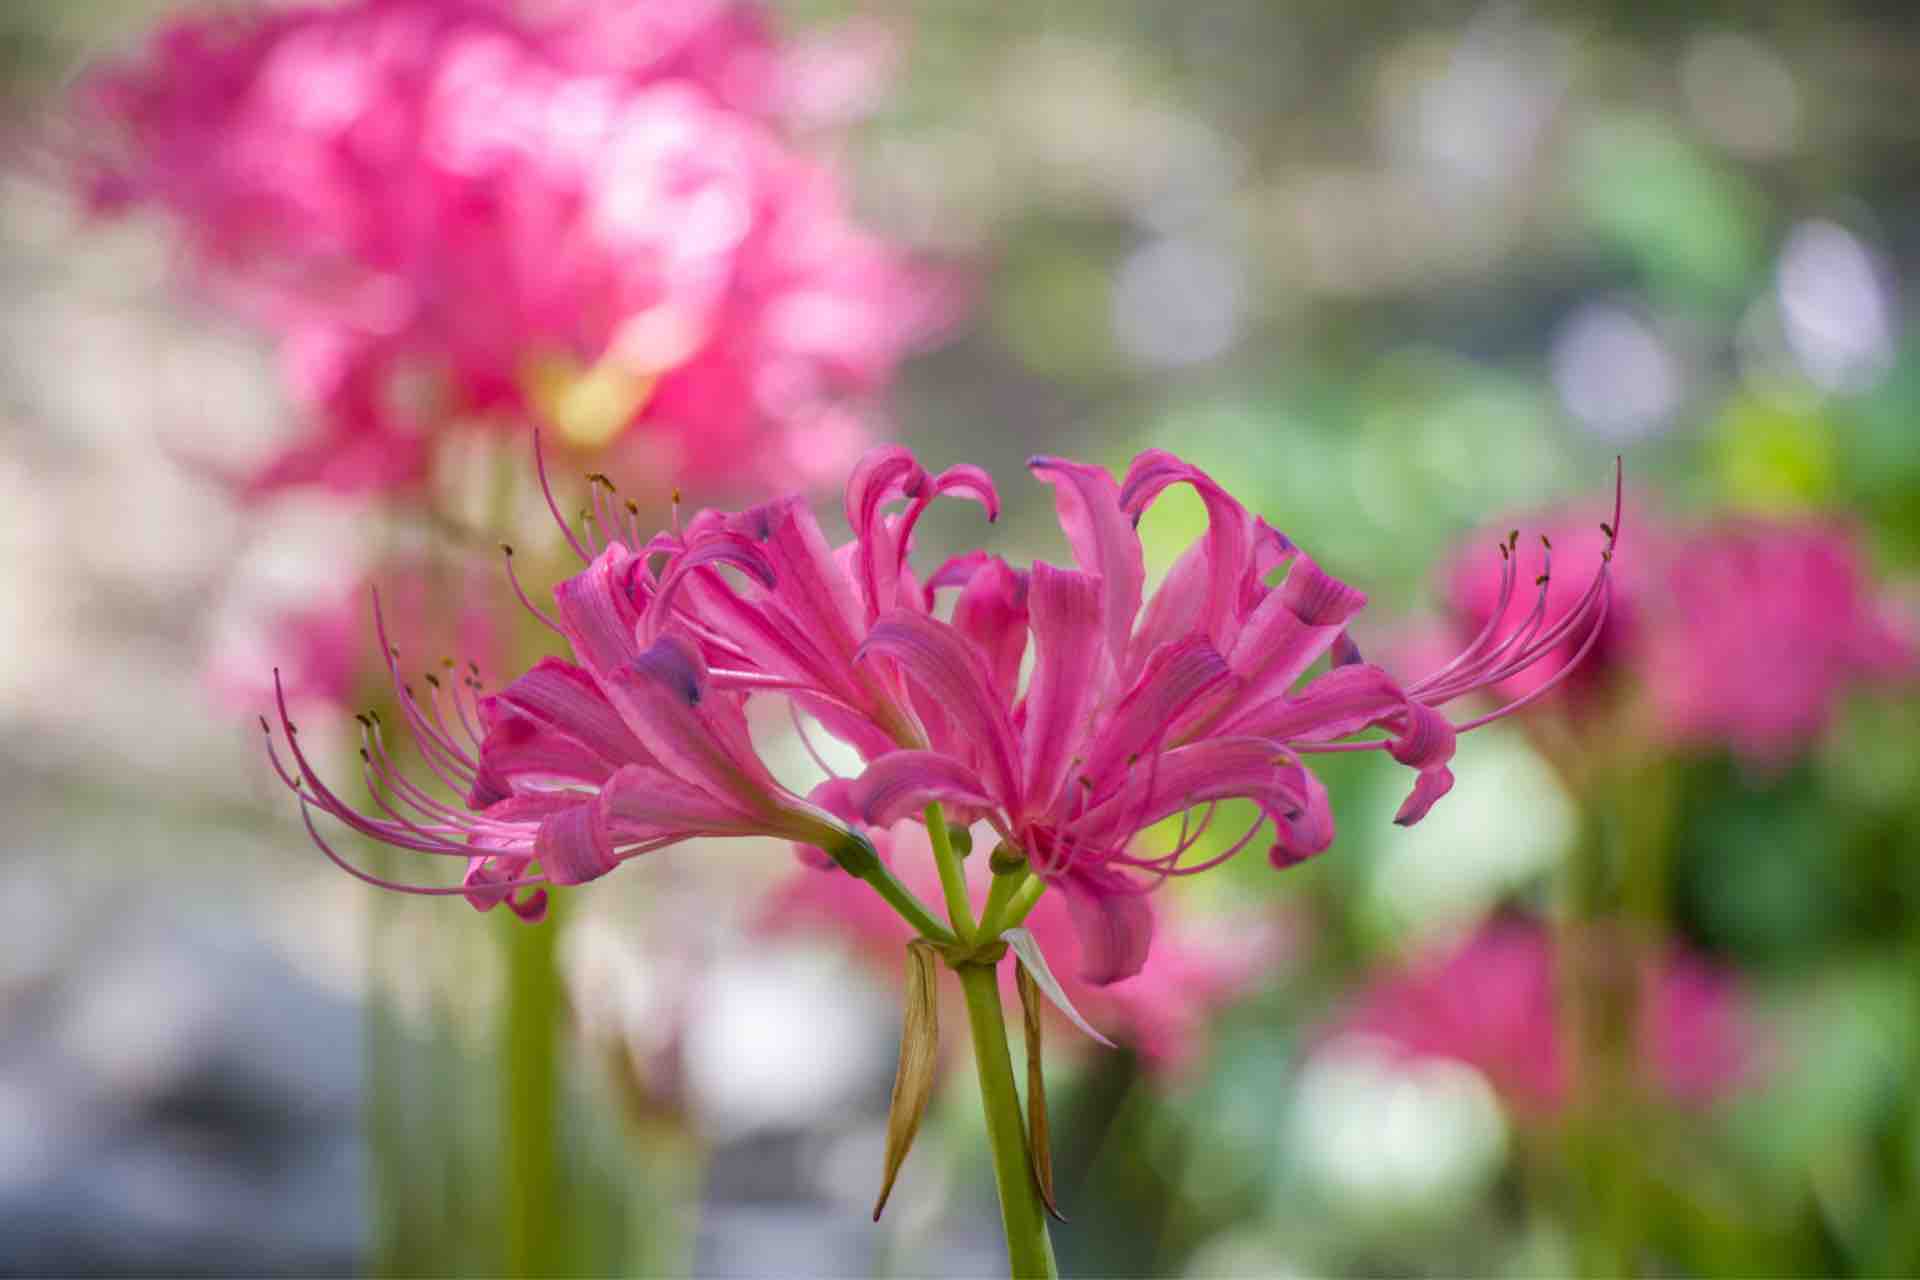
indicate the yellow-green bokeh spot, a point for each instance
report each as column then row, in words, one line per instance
column 1773, row 454
column 588, row 404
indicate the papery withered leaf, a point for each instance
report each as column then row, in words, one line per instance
column 919, row 1050
column 1039, row 1143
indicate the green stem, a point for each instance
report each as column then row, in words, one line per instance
column 999, row 898
column 902, row 900
column 530, row 1043
column 1029, row 1248
column 1020, row 904
column 953, row 876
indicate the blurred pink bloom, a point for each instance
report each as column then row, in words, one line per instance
column 1491, row 1002
column 322, row 649
column 1746, row 633
column 1134, row 714
column 1161, row 1012
column 1765, row 626
column 456, row 212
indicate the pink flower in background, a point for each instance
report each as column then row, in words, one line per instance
column 462, row 212
column 1764, row 626
column 1491, row 1002
column 320, row 649
column 1161, row 1012
column 1135, row 713
column 1746, row 633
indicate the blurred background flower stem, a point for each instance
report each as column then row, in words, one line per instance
column 531, row 1019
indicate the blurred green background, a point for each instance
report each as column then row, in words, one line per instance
column 1391, row 272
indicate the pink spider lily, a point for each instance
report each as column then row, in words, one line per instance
column 1764, row 627
column 464, row 214
column 576, row 766
column 1490, row 1000
column 1135, row 712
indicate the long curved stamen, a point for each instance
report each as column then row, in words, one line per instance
column 469, row 724
column 606, row 515
column 1493, row 670
column 525, row 602
column 1509, row 574
column 404, row 788
column 546, row 489
column 372, row 776
column 433, row 713
column 1552, row 682
column 1232, row 851
column 431, row 740
column 315, row 791
column 421, row 890
column 806, row 740
column 1524, row 633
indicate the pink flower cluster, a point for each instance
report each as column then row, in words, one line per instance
column 1160, row 1012
column 461, row 212
column 1491, row 1003
column 1139, row 709
column 1746, row 632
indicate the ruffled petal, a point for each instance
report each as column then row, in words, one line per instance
column 1338, row 703
column 992, row 613
column 597, row 611
column 1427, row 790
column 1070, row 662
column 715, row 547
column 882, row 475
column 696, row 733
column 1289, row 630
column 644, row 805
column 969, row 481
column 1425, row 742
column 1229, row 531
column 901, row 783
column 1255, row 769
column 1112, row 922
column 1177, row 677
column 1309, row 830
column 574, row 845
column 566, row 697
column 1103, row 539
column 956, row 677
column 519, row 751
